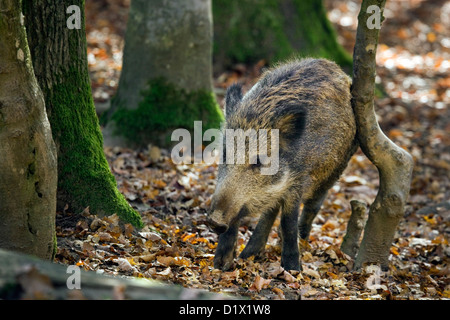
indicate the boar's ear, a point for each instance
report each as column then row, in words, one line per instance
column 233, row 98
column 291, row 123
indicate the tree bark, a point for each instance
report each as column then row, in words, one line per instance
column 171, row 41
column 28, row 171
column 394, row 164
column 60, row 64
column 247, row 31
column 355, row 226
column 25, row 277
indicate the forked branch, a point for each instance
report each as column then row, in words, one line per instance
column 394, row 164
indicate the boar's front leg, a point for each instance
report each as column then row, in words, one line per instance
column 290, row 255
column 258, row 240
column 310, row 210
column 224, row 257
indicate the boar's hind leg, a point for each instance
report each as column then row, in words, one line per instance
column 290, row 255
column 259, row 237
column 223, row 259
column 309, row 212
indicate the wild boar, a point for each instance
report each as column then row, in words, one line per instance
column 308, row 102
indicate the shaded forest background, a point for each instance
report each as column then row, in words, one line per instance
column 176, row 246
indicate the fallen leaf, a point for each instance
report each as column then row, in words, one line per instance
column 166, row 261
column 288, row 277
column 152, row 236
column 430, row 219
column 311, row 293
column 259, row 283
column 431, row 37
column 230, row 276
column 125, row 265
column 311, row 273
column 148, row 257
column 394, row 251
column 166, row 272
column 279, row 293
column 354, row 180
column 105, row 236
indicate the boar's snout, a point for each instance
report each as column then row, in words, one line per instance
column 216, row 217
column 218, row 227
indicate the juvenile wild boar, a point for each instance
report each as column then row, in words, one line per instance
column 308, row 101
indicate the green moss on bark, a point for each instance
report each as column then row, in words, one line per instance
column 164, row 108
column 247, row 31
column 320, row 38
column 84, row 177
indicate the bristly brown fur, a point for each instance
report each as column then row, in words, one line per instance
column 316, row 91
column 306, row 83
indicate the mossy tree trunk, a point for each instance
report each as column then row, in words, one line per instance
column 28, row 171
column 393, row 163
column 60, row 64
column 166, row 76
column 250, row 30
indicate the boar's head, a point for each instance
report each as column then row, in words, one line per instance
column 258, row 150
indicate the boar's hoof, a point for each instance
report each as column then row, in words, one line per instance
column 250, row 250
column 224, row 262
column 291, row 265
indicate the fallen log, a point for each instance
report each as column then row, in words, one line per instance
column 27, row 277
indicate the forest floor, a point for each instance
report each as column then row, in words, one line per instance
column 175, row 246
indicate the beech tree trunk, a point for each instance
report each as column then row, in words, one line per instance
column 28, row 172
column 170, row 39
column 394, row 164
column 60, row 63
column 166, row 79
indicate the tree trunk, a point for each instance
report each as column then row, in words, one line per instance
column 394, row 164
column 28, row 172
column 60, row 64
column 166, row 76
column 250, row 30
